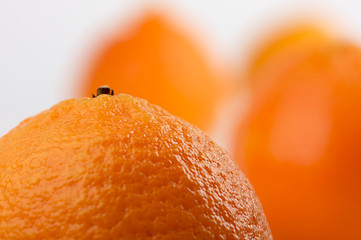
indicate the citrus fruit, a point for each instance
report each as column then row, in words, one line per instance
column 117, row 167
column 300, row 146
column 157, row 61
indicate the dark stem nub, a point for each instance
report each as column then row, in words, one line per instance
column 104, row 90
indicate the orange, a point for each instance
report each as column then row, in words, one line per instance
column 300, row 146
column 157, row 61
column 117, row 167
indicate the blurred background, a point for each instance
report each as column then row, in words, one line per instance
column 275, row 82
column 45, row 47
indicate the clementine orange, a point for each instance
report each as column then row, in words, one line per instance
column 300, row 142
column 117, row 167
column 157, row 61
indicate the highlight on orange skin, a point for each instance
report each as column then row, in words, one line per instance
column 284, row 49
column 300, row 146
column 156, row 61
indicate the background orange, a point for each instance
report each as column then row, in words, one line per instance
column 299, row 141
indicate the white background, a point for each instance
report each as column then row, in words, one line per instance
column 44, row 45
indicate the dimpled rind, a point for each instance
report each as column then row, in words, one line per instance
column 117, row 167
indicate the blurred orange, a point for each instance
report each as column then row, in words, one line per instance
column 300, row 142
column 156, row 61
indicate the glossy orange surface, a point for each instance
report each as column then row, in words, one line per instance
column 157, row 61
column 300, row 145
column 117, row 167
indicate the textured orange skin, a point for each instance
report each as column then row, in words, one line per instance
column 301, row 145
column 116, row 167
column 156, row 61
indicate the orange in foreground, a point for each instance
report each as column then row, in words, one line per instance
column 301, row 145
column 117, row 167
column 156, row 61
